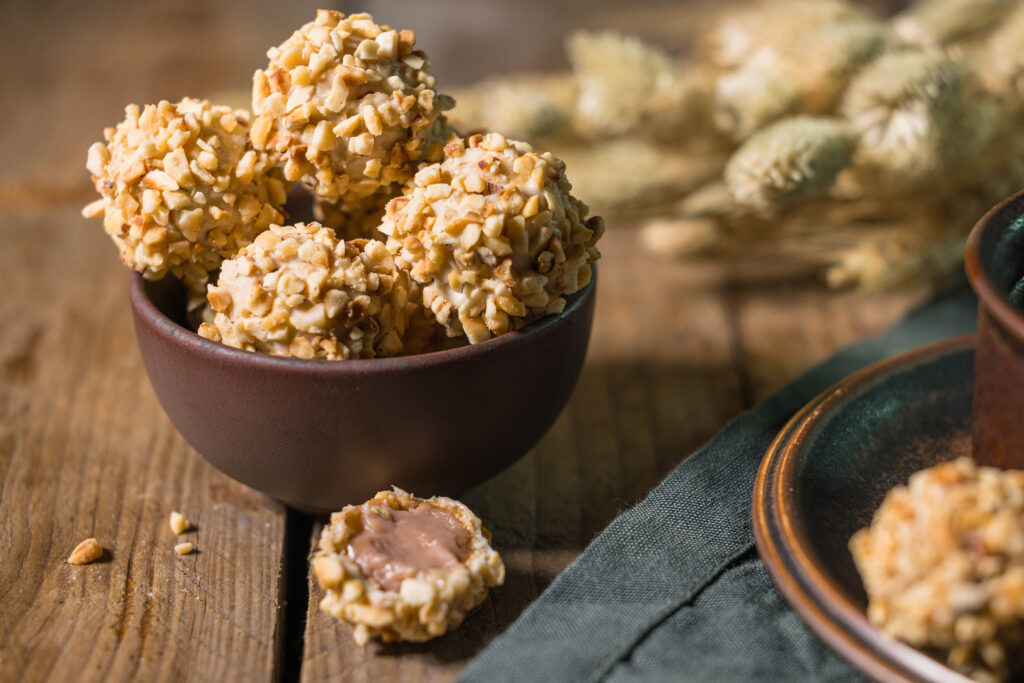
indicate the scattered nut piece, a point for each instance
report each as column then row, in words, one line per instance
column 179, row 524
column 86, row 552
column 184, row 548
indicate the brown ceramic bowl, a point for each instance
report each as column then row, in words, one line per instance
column 827, row 472
column 318, row 435
column 995, row 264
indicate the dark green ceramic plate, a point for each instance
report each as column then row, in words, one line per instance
column 827, row 472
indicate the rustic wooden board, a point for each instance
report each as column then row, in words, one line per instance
column 85, row 450
column 782, row 332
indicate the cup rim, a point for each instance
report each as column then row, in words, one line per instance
column 992, row 298
column 149, row 314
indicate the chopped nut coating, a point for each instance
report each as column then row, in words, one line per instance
column 181, row 189
column 493, row 235
column 86, row 552
column 348, row 107
column 300, row 291
column 943, row 565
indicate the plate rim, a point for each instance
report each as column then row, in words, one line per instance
column 800, row 580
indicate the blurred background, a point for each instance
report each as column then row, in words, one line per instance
column 70, row 67
column 679, row 119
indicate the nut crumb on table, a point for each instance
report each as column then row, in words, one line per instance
column 179, row 523
column 184, row 548
column 86, row 552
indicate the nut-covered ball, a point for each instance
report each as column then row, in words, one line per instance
column 300, row 291
column 943, row 565
column 493, row 235
column 405, row 568
column 181, row 188
column 348, row 106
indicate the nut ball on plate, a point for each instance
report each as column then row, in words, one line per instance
column 943, row 566
column 348, row 106
column 300, row 291
column 493, row 235
column 181, row 188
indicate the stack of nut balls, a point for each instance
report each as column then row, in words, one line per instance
column 423, row 236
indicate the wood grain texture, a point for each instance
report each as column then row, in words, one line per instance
column 783, row 331
column 85, row 450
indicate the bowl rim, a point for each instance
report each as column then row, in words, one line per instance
column 147, row 312
column 824, row 605
column 992, row 298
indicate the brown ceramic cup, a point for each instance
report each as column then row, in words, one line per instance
column 995, row 264
column 318, row 435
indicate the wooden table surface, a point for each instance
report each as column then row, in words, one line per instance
column 85, row 449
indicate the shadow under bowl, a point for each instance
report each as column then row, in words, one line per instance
column 995, row 268
column 319, row 435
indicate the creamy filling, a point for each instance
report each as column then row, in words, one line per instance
column 395, row 545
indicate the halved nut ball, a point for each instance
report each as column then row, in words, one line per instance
column 405, row 568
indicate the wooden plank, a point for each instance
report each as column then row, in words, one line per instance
column 659, row 380
column 85, row 450
column 785, row 331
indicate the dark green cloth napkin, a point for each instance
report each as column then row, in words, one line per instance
column 673, row 588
